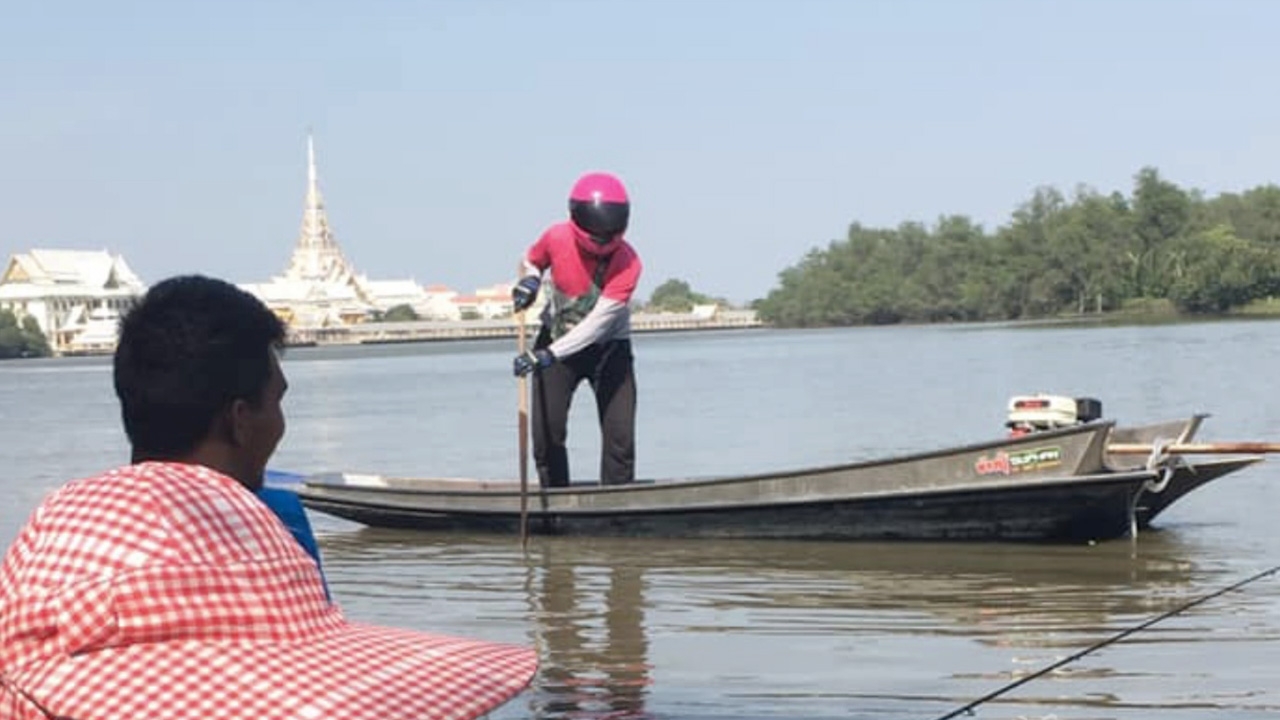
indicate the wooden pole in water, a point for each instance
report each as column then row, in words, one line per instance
column 522, row 424
column 1212, row 448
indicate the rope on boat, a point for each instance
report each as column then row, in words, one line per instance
column 1159, row 456
column 1158, row 461
column 969, row 708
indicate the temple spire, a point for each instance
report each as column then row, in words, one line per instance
column 316, row 255
column 315, row 204
column 311, row 160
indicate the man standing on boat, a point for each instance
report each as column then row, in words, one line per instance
column 586, row 328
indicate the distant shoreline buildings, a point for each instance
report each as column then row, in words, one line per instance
column 320, row 288
column 77, row 296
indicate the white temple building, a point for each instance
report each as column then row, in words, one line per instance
column 319, row 288
column 441, row 304
column 75, row 296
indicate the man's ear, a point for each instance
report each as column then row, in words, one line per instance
column 238, row 425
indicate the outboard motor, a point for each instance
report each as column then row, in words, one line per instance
column 1088, row 409
column 1037, row 413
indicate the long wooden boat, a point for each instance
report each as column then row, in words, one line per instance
column 1062, row 484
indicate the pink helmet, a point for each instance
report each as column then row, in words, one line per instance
column 598, row 205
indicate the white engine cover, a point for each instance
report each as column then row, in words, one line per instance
column 1042, row 411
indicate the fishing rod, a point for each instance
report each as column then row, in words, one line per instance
column 968, row 709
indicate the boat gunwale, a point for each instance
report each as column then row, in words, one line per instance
column 1095, row 427
column 1242, row 462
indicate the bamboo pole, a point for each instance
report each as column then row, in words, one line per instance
column 1210, row 448
column 522, row 424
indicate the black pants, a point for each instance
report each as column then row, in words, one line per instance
column 608, row 368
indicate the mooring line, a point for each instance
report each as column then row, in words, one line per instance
column 968, row 709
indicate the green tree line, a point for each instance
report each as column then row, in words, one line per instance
column 1089, row 253
column 21, row 339
column 675, row 295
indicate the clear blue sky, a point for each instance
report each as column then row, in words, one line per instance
column 749, row 132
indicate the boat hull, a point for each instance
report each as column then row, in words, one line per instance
column 1052, row 486
column 1092, row 509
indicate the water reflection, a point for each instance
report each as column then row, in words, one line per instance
column 589, row 627
column 886, row 629
column 585, row 613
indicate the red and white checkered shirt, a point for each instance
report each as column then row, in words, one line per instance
column 166, row 590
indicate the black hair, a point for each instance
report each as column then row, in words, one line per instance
column 189, row 348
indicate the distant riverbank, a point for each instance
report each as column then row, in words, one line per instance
column 1152, row 312
column 1155, row 312
column 437, row 331
column 427, row 331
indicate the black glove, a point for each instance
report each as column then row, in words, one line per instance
column 531, row 361
column 524, row 292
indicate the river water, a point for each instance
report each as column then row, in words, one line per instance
column 681, row 629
